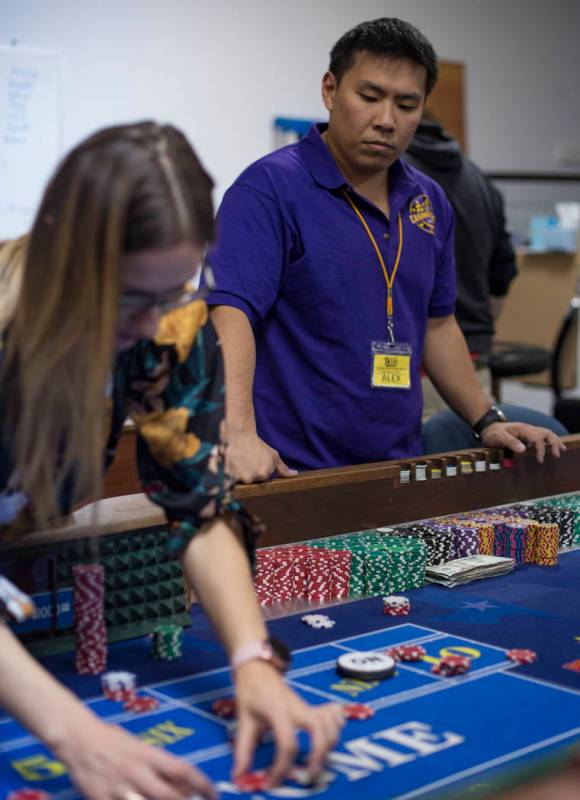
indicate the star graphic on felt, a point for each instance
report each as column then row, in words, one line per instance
column 481, row 605
column 478, row 610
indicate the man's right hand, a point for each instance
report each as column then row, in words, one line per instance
column 250, row 459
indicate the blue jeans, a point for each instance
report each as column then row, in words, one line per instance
column 446, row 431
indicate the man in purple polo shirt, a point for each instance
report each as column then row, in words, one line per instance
column 336, row 280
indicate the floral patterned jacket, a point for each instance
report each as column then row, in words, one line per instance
column 173, row 389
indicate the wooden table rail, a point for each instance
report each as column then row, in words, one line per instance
column 332, row 501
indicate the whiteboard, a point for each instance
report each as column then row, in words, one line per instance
column 30, row 132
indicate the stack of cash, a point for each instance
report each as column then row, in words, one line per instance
column 470, row 568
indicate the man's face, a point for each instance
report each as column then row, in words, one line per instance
column 374, row 111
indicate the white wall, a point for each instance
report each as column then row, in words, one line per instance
column 222, row 70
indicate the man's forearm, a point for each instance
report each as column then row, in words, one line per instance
column 239, row 349
column 448, row 364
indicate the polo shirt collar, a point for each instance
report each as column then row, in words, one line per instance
column 326, row 173
column 319, row 161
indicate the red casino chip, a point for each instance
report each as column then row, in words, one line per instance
column 407, row 652
column 225, row 707
column 120, row 695
column 253, row 781
column 28, row 794
column 452, row 665
column 522, row 656
column 393, row 652
column 141, row 704
column 358, row 711
column 572, row 665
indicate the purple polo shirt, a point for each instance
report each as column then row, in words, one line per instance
column 295, row 258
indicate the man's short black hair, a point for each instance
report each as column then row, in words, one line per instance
column 387, row 36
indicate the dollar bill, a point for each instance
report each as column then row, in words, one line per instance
column 470, row 568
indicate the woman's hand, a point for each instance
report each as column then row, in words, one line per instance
column 265, row 702
column 107, row 763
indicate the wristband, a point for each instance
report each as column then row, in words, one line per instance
column 272, row 651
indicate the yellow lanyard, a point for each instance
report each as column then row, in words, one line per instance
column 388, row 280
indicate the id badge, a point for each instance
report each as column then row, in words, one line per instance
column 391, row 365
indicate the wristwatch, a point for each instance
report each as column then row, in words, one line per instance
column 494, row 414
column 271, row 650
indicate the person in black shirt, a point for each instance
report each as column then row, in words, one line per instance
column 485, row 268
column 485, row 259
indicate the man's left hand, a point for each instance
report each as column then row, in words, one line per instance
column 518, row 435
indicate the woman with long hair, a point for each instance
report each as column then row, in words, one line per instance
column 107, row 326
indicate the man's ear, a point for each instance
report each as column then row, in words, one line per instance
column 329, row 87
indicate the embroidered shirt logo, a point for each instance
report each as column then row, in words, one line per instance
column 421, row 213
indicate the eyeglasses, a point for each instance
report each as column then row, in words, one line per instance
column 140, row 302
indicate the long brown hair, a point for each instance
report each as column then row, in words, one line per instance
column 11, row 264
column 124, row 189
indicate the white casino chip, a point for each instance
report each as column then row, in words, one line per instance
column 324, row 623
column 318, row 621
column 370, row 665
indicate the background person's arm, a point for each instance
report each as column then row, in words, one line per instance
column 496, row 304
column 447, row 361
column 248, row 457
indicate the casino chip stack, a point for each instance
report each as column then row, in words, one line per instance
column 522, row 656
column 486, row 538
column 407, row 652
column 89, row 619
column 511, row 539
column 546, row 546
column 466, row 539
column 167, row 642
column 225, row 707
column 253, row 781
column 262, row 578
column 377, row 564
column 341, row 563
column 451, row 665
column 358, row 711
column 407, row 559
column 438, row 540
column 396, row 605
column 319, row 583
column 119, row 686
column 354, row 570
column 571, row 503
column 564, row 518
column 318, row 573
column 140, row 704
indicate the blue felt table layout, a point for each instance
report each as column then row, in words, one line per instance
column 429, row 734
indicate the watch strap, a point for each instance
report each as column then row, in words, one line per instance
column 271, row 651
column 493, row 414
